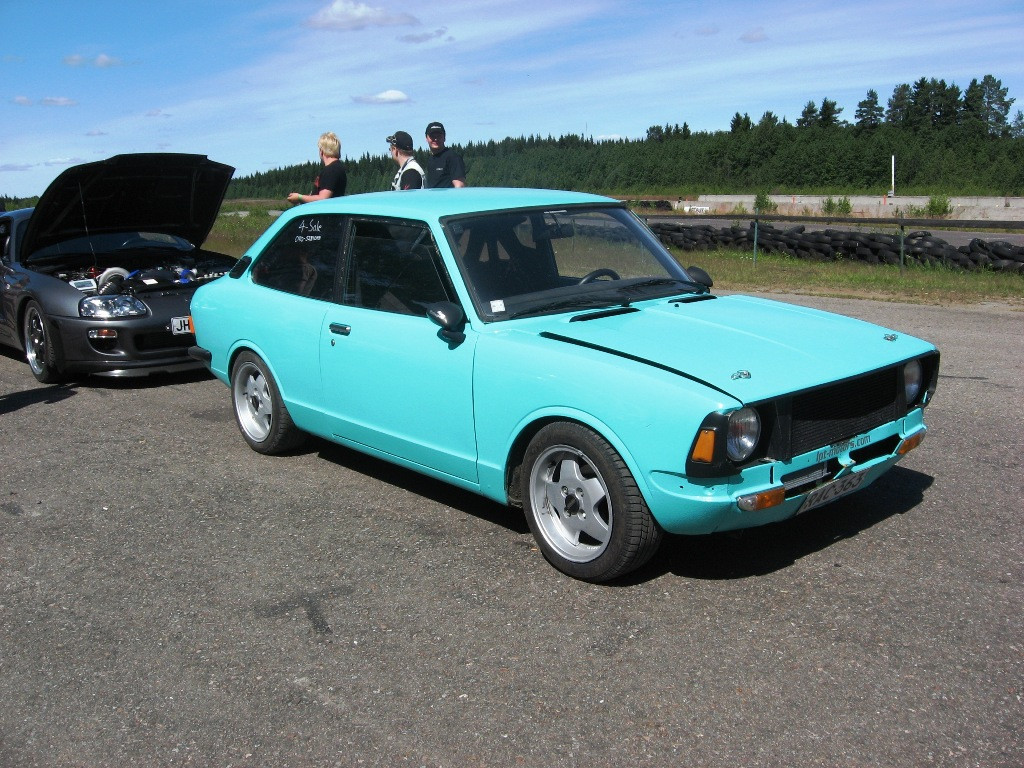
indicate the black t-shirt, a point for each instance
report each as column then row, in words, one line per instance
column 332, row 177
column 443, row 168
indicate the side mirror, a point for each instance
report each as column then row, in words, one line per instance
column 700, row 276
column 451, row 318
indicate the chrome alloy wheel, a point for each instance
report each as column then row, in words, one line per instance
column 35, row 340
column 572, row 503
column 254, row 405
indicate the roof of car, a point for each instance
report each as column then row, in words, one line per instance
column 438, row 203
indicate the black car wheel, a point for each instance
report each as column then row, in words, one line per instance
column 259, row 411
column 41, row 347
column 583, row 505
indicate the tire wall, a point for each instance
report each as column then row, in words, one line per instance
column 833, row 244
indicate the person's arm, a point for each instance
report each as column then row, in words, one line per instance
column 411, row 179
column 295, row 197
column 458, row 171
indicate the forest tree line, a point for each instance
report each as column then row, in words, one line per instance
column 946, row 142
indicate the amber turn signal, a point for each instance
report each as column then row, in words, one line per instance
column 704, row 447
column 763, row 500
column 910, row 444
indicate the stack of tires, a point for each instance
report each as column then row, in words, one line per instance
column 831, row 244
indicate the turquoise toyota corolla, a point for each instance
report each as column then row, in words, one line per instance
column 543, row 349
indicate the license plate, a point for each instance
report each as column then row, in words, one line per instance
column 181, row 325
column 832, row 491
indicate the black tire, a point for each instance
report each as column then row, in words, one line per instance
column 583, row 505
column 259, row 410
column 42, row 346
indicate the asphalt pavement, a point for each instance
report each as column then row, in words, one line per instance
column 168, row 598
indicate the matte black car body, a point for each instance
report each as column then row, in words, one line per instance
column 120, row 239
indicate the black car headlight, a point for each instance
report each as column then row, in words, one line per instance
column 744, row 432
column 107, row 307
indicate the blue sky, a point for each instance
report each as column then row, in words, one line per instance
column 253, row 83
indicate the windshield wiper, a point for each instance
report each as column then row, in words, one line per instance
column 690, row 286
column 576, row 302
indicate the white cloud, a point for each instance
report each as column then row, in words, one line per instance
column 756, row 35
column 348, row 15
column 425, row 37
column 102, row 61
column 58, row 101
column 384, row 97
column 22, row 101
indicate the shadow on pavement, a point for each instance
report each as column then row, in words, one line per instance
column 759, row 551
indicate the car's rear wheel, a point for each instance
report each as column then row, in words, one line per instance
column 583, row 505
column 259, row 410
column 42, row 349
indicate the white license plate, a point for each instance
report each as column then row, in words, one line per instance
column 832, row 491
column 180, row 325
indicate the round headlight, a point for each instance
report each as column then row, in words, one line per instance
column 106, row 307
column 913, row 378
column 744, row 432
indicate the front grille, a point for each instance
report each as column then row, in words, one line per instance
column 819, row 417
column 830, row 414
column 152, row 342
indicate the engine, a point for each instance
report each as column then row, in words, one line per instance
column 183, row 272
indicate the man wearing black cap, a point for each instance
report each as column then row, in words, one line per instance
column 410, row 174
column 445, row 168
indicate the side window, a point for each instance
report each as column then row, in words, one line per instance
column 303, row 258
column 393, row 267
column 5, row 238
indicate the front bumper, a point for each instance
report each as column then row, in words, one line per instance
column 699, row 506
column 142, row 346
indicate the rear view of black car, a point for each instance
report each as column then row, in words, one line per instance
column 97, row 278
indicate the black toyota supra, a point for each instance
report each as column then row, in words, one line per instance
column 97, row 278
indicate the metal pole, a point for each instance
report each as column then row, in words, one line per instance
column 901, row 245
column 755, row 237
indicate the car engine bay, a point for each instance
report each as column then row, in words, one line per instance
column 132, row 276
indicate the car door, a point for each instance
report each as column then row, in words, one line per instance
column 390, row 382
column 298, row 272
column 11, row 288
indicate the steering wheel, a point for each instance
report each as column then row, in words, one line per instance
column 603, row 272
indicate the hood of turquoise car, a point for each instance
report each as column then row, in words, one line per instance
column 750, row 348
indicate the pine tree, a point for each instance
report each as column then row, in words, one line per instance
column 869, row 112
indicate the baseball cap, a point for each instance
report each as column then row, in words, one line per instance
column 434, row 127
column 402, row 140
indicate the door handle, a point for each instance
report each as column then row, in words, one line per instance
column 341, row 329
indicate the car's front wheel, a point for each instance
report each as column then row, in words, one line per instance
column 259, row 410
column 583, row 505
column 42, row 349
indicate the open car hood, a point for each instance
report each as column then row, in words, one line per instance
column 167, row 193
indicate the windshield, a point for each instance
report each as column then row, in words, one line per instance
column 519, row 263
